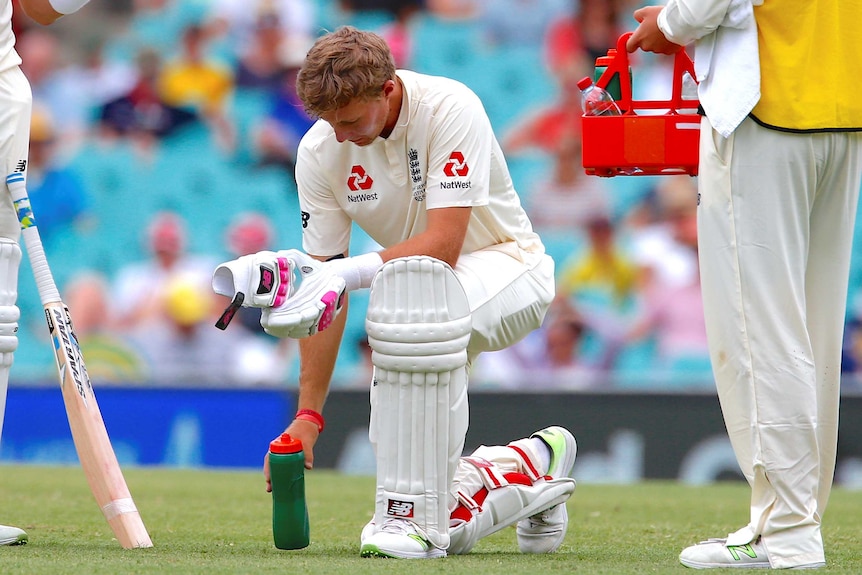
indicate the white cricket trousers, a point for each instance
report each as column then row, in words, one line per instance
column 508, row 297
column 775, row 225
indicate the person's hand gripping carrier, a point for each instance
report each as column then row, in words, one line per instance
column 299, row 295
column 643, row 144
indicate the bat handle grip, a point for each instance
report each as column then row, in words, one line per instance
column 41, row 272
column 48, row 292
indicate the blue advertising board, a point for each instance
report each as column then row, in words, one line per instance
column 171, row 427
column 622, row 438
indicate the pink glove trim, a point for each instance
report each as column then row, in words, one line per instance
column 330, row 300
column 284, row 281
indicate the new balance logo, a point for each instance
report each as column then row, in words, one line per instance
column 267, row 280
column 21, row 166
column 745, row 549
column 402, row 509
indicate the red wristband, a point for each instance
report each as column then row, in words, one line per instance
column 312, row 416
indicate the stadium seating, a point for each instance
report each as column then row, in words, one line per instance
column 188, row 173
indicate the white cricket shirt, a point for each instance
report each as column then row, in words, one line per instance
column 442, row 153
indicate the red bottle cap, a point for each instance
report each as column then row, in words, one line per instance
column 584, row 83
column 285, row 444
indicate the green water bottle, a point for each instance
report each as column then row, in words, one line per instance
column 614, row 87
column 290, row 529
column 602, row 63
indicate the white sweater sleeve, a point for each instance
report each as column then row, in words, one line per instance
column 684, row 21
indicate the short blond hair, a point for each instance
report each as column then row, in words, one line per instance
column 341, row 66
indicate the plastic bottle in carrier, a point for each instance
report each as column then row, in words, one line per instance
column 689, row 92
column 613, row 86
column 290, row 528
column 595, row 101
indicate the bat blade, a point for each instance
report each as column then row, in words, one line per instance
column 90, row 435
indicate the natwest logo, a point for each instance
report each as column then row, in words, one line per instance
column 358, row 179
column 456, row 165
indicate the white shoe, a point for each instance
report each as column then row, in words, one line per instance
column 544, row 532
column 12, row 536
column 367, row 532
column 397, row 539
column 716, row 553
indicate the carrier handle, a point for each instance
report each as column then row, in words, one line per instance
column 620, row 64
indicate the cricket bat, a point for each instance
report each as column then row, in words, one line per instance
column 91, row 439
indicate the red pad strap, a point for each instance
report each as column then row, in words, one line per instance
column 465, row 512
column 528, row 463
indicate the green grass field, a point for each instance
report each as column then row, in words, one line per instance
column 218, row 522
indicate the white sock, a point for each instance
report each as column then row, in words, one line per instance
column 543, row 452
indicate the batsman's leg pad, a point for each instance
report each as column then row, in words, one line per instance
column 10, row 258
column 418, row 325
column 497, row 487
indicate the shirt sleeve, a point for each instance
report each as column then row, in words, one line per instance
column 459, row 154
column 325, row 226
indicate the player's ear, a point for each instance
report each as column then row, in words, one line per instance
column 389, row 87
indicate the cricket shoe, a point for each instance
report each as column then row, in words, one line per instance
column 367, row 532
column 544, row 532
column 397, row 539
column 716, row 554
column 12, row 536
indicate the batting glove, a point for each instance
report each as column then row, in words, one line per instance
column 313, row 303
column 257, row 280
column 298, row 294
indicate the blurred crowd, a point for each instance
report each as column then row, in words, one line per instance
column 163, row 141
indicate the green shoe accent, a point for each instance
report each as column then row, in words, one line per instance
column 399, row 539
column 12, row 536
column 369, row 550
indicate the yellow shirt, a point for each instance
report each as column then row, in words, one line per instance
column 204, row 86
column 810, row 64
column 615, row 275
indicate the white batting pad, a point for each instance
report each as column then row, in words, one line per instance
column 505, row 505
column 10, row 258
column 497, row 486
column 418, row 326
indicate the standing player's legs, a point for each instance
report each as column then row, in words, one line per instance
column 15, row 110
column 766, row 228
column 832, row 228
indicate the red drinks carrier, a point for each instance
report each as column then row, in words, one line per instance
column 646, row 144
